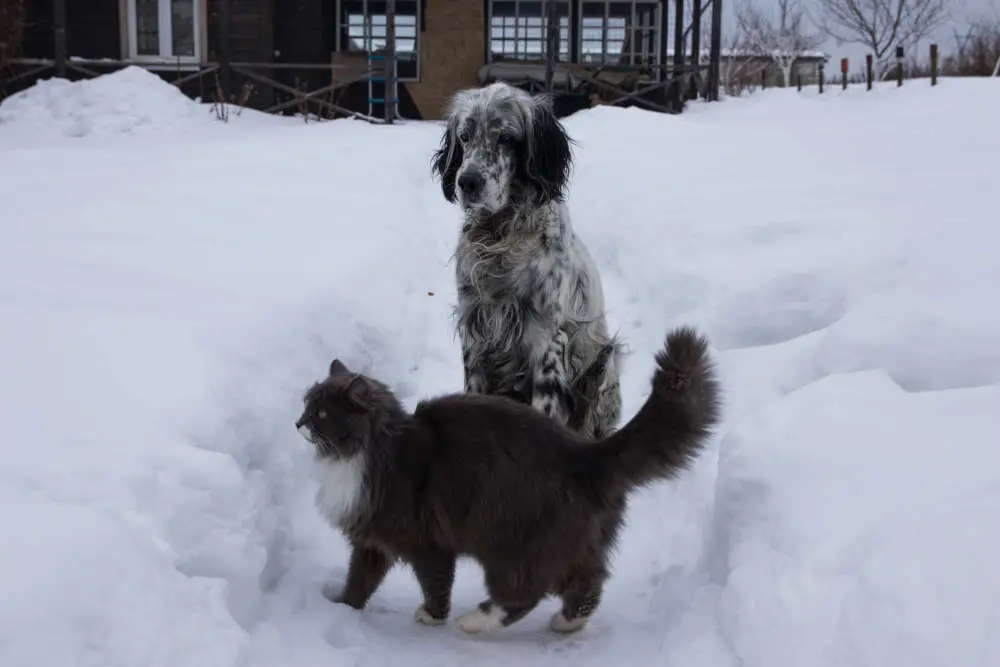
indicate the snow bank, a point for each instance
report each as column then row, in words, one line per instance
column 164, row 313
column 129, row 102
column 855, row 524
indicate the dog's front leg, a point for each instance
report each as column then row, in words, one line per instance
column 475, row 373
column 550, row 388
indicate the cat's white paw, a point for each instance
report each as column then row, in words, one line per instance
column 559, row 623
column 421, row 615
column 476, row 621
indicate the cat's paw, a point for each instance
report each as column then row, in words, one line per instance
column 477, row 621
column 421, row 615
column 561, row 624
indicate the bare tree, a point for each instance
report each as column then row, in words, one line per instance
column 739, row 70
column 782, row 35
column 976, row 50
column 882, row 25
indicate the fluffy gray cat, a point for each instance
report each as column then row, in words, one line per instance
column 536, row 504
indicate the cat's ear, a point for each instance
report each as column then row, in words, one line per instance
column 359, row 392
column 337, row 367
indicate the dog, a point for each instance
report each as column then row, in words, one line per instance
column 530, row 312
column 537, row 504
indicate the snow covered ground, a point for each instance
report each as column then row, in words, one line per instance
column 170, row 285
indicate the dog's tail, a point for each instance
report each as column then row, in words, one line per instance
column 670, row 429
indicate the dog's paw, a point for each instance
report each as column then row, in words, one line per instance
column 477, row 621
column 562, row 625
column 421, row 615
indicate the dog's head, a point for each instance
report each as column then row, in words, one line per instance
column 501, row 146
column 341, row 413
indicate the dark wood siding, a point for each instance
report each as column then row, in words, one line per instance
column 93, row 29
column 39, row 41
column 250, row 28
column 303, row 30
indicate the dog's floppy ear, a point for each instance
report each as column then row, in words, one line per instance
column 337, row 367
column 549, row 158
column 447, row 159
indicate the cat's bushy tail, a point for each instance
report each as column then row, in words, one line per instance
column 670, row 429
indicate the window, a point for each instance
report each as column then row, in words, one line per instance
column 518, row 29
column 363, row 25
column 620, row 33
column 163, row 30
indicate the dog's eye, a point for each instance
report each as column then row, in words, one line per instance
column 463, row 136
column 507, row 139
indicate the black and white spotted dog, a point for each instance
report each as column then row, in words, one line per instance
column 530, row 301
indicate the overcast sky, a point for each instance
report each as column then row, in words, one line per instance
column 961, row 10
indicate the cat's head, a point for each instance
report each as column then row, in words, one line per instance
column 344, row 411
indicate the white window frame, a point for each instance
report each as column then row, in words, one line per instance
column 166, row 55
column 370, row 39
column 563, row 57
column 630, row 31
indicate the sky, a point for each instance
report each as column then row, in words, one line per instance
column 961, row 12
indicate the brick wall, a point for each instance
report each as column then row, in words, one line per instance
column 452, row 50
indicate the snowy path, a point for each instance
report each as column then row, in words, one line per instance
column 168, row 294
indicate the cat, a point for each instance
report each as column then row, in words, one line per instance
column 536, row 504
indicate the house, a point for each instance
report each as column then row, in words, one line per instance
column 330, row 53
column 748, row 68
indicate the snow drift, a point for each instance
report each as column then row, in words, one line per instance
column 166, row 301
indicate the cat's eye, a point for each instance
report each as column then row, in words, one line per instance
column 321, row 414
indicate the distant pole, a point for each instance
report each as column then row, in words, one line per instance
column 225, row 48
column 843, row 72
column 821, row 77
column 678, row 73
column 934, row 64
column 59, row 27
column 899, row 66
column 869, row 69
column 715, row 52
column 389, row 94
column 798, row 80
column 551, row 43
column 695, row 47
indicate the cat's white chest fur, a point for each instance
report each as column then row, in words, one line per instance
column 340, row 487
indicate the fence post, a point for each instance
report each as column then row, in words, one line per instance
column 843, row 72
column 822, row 76
column 389, row 87
column 934, row 64
column 798, row 79
column 869, row 69
column 899, row 66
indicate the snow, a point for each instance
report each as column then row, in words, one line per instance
column 170, row 285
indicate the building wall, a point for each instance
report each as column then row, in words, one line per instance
column 92, row 29
column 452, row 49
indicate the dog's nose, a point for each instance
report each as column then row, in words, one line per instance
column 470, row 183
